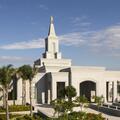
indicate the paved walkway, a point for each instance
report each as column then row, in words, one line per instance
column 19, row 112
column 49, row 111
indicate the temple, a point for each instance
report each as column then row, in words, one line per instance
column 55, row 73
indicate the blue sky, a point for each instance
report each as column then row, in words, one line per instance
column 88, row 30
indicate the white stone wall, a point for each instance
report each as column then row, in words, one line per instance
column 58, row 77
column 96, row 75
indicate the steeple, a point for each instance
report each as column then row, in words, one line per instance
column 52, row 43
column 51, row 28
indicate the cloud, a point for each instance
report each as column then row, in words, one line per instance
column 39, row 43
column 72, row 39
column 106, row 41
column 44, row 7
column 80, row 21
column 14, row 59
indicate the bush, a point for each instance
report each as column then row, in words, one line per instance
column 91, row 116
column 70, row 92
column 2, row 109
column 14, row 108
column 27, row 117
column 80, row 116
column 3, row 116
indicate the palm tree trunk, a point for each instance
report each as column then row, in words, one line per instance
column 30, row 89
column 13, row 93
column 7, row 109
column 24, row 92
column 4, row 102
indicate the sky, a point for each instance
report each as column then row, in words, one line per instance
column 88, row 31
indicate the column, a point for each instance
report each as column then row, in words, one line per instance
column 104, row 91
column 115, row 91
column 43, row 97
column 110, row 91
column 54, row 90
column 48, row 101
column 19, row 91
column 34, row 94
column 118, row 90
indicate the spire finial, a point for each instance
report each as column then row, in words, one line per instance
column 51, row 20
column 51, row 28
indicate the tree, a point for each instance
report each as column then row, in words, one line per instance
column 27, row 73
column 81, row 101
column 99, row 101
column 70, row 92
column 57, row 105
column 15, row 77
column 62, row 106
column 67, row 106
column 6, row 73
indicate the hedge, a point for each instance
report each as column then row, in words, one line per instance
column 15, row 108
column 79, row 116
column 3, row 116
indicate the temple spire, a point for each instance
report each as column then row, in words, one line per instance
column 51, row 28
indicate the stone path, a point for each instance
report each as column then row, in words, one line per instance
column 49, row 111
column 19, row 112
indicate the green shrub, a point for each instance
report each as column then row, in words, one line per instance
column 91, row 116
column 2, row 109
column 14, row 108
column 3, row 116
column 80, row 116
column 27, row 117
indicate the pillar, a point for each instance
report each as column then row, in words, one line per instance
column 48, row 101
column 110, row 91
column 19, row 91
column 115, row 91
column 54, row 90
column 118, row 94
column 43, row 97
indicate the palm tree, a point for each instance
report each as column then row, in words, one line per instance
column 27, row 73
column 22, row 73
column 6, row 73
column 15, row 77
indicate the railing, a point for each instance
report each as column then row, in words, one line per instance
column 111, row 106
column 107, row 109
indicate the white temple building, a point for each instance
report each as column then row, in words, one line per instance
column 56, row 72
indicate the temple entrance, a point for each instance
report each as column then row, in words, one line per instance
column 88, row 89
column 60, row 87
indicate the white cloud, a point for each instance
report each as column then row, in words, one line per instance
column 39, row 43
column 106, row 41
column 14, row 59
column 44, row 7
column 80, row 21
column 75, row 39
